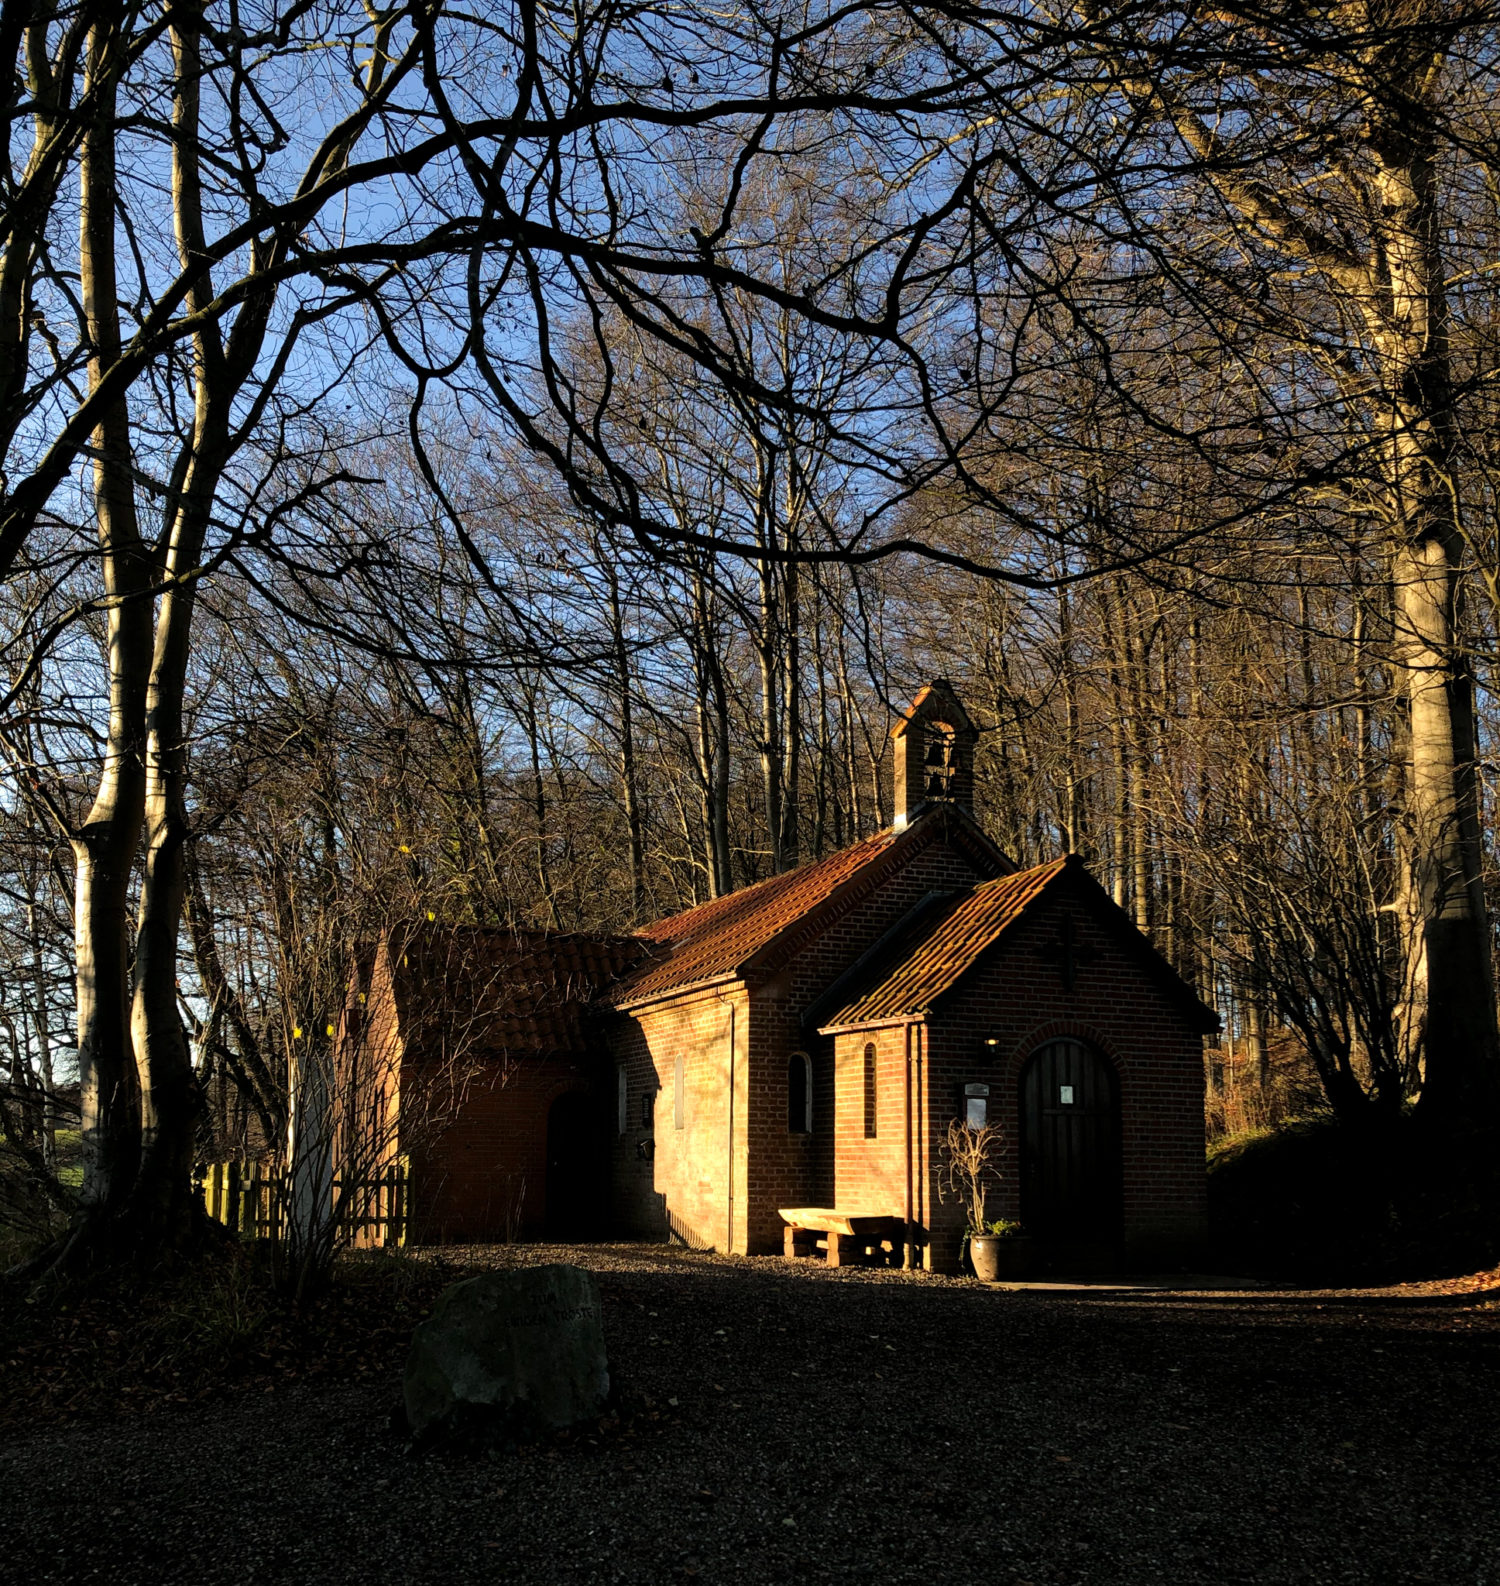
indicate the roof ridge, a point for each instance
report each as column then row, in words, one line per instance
column 1060, row 863
column 945, row 821
column 784, row 877
column 754, row 919
column 759, row 927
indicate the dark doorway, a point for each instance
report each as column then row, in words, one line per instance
column 1070, row 1145
column 577, row 1168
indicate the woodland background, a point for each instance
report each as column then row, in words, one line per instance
column 549, row 444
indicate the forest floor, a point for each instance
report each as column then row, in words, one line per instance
column 785, row 1423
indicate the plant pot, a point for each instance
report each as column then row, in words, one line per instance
column 996, row 1259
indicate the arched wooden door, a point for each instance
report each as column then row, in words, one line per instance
column 1071, row 1179
column 577, row 1168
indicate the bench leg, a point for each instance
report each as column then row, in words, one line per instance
column 789, row 1243
column 833, row 1250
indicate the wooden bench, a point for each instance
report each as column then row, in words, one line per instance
column 846, row 1235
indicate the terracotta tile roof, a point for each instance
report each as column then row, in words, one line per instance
column 507, row 991
column 942, row 939
column 718, row 938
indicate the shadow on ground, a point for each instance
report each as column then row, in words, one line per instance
column 837, row 1426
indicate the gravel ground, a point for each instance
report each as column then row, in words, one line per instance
column 851, row 1425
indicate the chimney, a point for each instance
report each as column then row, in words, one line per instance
column 934, row 753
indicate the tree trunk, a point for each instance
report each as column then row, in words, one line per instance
column 539, row 807
column 170, row 1099
column 1389, row 71
column 791, row 723
column 713, row 743
column 42, row 1022
column 1068, row 676
column 629, row 775
column 847, row 718
column 171, row 1102
column 105, row 845
column 768, row 655
column 1120, row 861
column 1450, row 1016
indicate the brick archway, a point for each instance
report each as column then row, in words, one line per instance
column 1064, row 1030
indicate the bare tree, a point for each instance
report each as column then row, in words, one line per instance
column 1333, row 180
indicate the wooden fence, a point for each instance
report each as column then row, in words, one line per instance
column 253, row 1197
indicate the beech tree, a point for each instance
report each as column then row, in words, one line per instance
column 1334, row 141
column 167, row 375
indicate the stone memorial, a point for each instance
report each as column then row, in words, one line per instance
column 508, row 1354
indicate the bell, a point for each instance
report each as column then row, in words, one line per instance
column 936, row 752
column 935, row 787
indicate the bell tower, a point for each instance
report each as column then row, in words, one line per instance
column 934, row 744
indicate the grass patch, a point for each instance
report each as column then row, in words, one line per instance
column 1315, row 1200
column 70, row 1159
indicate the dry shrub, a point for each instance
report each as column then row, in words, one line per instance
column 1238, row 1103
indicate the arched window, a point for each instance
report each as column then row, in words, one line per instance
column 799, row 1094
column 870, row 1114
column 679, row 1097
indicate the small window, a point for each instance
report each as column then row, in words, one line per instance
column 799, row 1094
column 679, row 1097
column 622, row 1093
column 648, row 1107
column 870, row 1118
column 976, row 1104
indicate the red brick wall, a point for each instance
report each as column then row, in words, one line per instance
column 1017, row 994
column 781, row 1167
column 479, row 1169
column 367, row 1067
column 807, row 1171
column 638, row 1208
column 665, row 1179
column 870, row 1174
column 680, row 1181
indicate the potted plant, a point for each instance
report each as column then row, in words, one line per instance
column 998, row 1248
column 1003, row 1250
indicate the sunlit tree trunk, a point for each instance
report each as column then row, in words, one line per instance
column 1450, row 1015
column 625, row 715
column 106, row 843
column 1385, row 170
column 170, row 1099
column 712, row 741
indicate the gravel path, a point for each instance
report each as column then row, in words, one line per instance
column 853, row 1425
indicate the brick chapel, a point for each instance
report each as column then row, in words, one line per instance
column 805, row 1042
